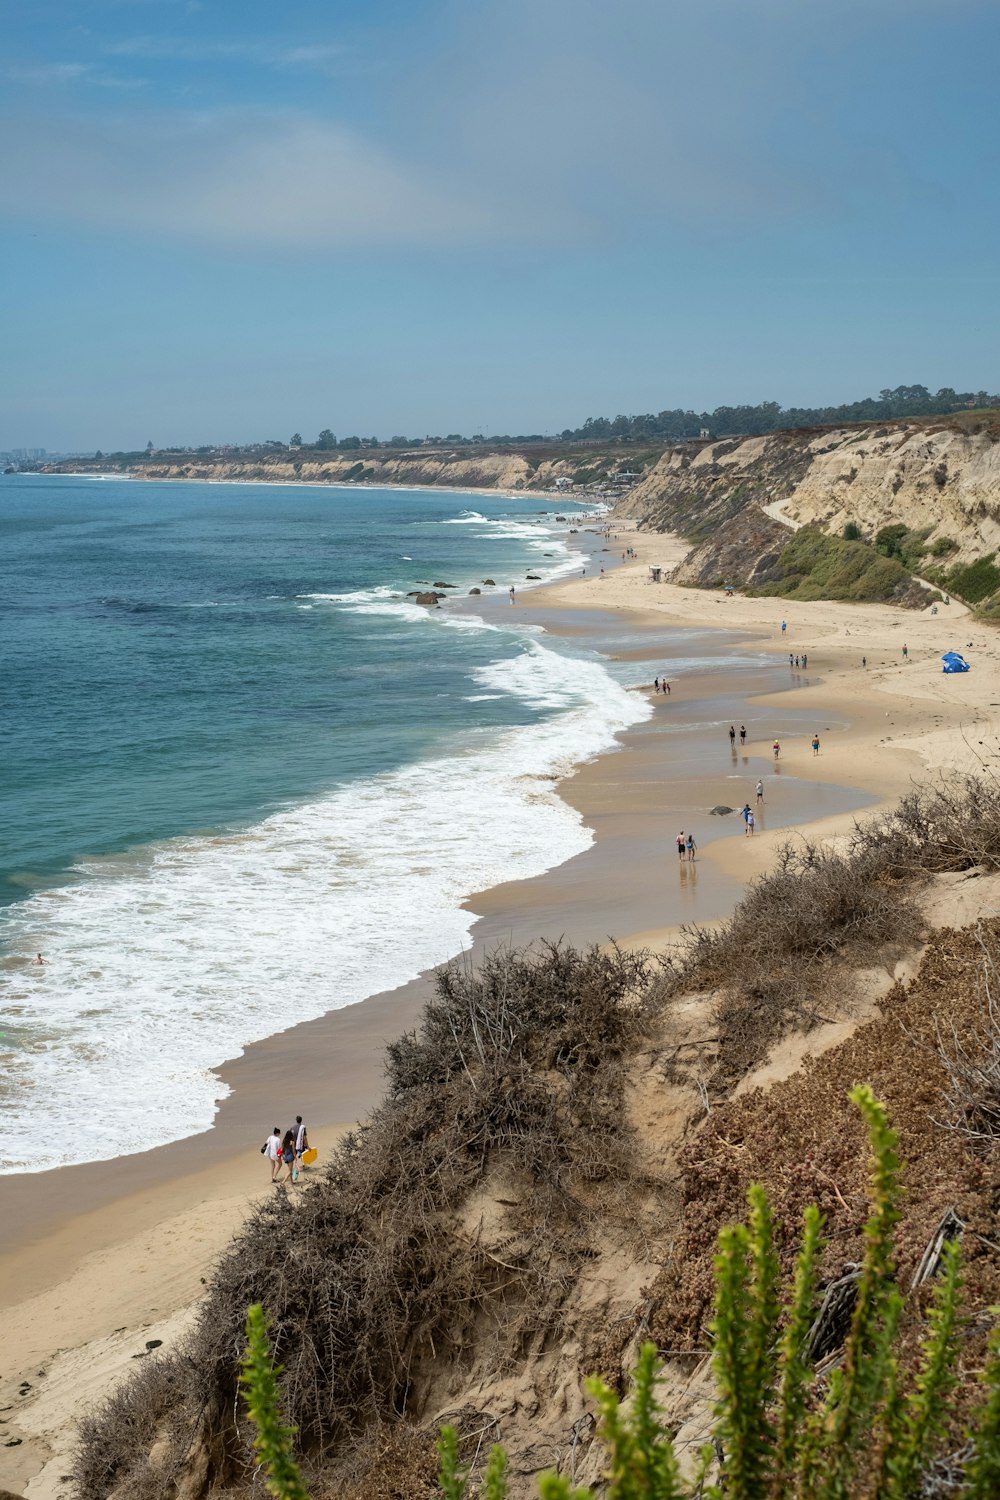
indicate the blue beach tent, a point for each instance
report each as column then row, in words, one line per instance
column 953, row 662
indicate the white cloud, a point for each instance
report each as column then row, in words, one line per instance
column 46, row 75
column 261, row 52
column 245, row 178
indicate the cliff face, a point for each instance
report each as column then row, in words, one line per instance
column 462, row 470
column 924, row 475
column 484, row 471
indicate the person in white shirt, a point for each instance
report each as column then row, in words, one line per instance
column 272, row 1150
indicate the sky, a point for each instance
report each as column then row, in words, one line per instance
column 228, row 221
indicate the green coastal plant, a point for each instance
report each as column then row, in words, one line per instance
column 813, row 565
column 782, row 1432
column 273, row 1441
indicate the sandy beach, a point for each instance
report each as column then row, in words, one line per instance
column 102, row 1259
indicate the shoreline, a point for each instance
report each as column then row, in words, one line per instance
column 501, row 492
column 152, row 1224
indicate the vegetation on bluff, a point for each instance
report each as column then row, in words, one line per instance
column 813, row 565
column 389, row 1300
column 862, row 1429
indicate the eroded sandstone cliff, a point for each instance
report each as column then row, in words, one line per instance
column 942, row 477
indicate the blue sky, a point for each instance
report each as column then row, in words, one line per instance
column 223, row 221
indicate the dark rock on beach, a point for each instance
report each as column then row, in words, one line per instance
column 438, row 585
column 720, row 811
column 533, row 577
column 430, row 600
column 475, row 591
column 491, row 581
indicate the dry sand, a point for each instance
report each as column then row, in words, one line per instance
column 98, row 1260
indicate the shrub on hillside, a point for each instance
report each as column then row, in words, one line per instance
column 972, row 582
column 779, row 1430
column 813, row 565
column 785, row 948
column 517, row 1068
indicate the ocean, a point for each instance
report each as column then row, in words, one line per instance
column 247, row 781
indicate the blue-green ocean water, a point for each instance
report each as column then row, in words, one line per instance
column 246, row 781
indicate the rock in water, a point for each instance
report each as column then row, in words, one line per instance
column 720, row 811
column 491, row 581
column 430, row 600
column 475, row 591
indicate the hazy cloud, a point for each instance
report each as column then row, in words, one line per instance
column 261, row 52
column 45, row 75
column 258, row 179
column 529, row 119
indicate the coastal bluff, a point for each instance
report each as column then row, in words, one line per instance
column 460, row 470
column 933, row 483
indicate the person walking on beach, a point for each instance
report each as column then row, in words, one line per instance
column 510, row 593
column 815, row 744
column 760, row 793
column 751, row 825
column 301, row 1139
column 666, row 687
column 864, row 661
column 287, row 1157
column 732, row 736
column 691, row 847
column 272, row 1150
column 777, row 749
column 745, row 812
column 805, row 661
column 743, row 735
column 656, row 684
column 905, row 652
column 681, row 844
column 784, row 626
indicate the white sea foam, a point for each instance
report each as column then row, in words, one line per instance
column 163, row 964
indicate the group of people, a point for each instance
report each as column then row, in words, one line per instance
column 659, row 684
column 798, row 661
column 286, row 1152
column 686, row 846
